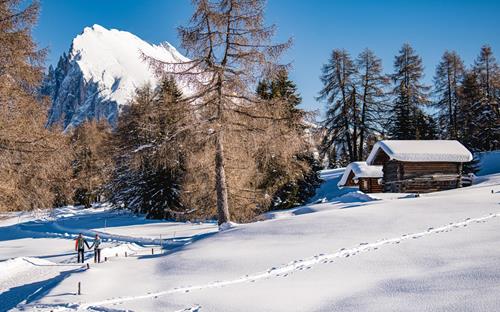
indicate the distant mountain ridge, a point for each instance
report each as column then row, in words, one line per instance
column 100, row 74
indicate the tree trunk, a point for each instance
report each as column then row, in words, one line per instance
column 220, row 181
column 450, row 107
column 341, row 79
column 456, row 103
column 355, row 126
column 363, row 116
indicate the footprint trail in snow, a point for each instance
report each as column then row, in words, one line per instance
column 298, row 265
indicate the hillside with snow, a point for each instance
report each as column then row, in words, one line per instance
column 100, row 74
column 346, row 251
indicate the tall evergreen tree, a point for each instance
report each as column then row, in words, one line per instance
column 289, row 182
column 427, row 125
column 488, row 113
column 372, row 98
column 487, row 70
column 357, row 104
column 449, row 75
column 409, row 94
column 338, row 78
column 467, row 115
column 149, row 158
column 470, row 103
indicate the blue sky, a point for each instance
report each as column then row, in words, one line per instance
column 316, row 26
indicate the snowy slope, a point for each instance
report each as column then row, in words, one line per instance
column 100, row 73
column 489, row 162
column 433, row 253
column 437, row 252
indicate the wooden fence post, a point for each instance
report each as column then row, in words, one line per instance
column 79, row 288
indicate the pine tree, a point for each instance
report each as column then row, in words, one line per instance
column 338, row 78
column 149, row 158
column 488, row 113
column 288, row 182
column 449, row 75
column 357, row 106
column 372, row 97
column 468, row 132
column 34, row 160
column 229, row 47
column 470, row 103
column 410, row 95
column 427, row 126
column 283, row 88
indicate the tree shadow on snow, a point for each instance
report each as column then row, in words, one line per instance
column 178, row 244
column 31, row 292
column 73, row 224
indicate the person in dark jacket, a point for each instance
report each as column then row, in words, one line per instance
column 80, row 247
column 97, row 249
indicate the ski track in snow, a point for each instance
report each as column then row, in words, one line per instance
column 296, row 265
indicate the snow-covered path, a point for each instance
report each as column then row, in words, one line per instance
column 37, row 249
column 349, row 253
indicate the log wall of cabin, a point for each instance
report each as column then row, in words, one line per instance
column 421, row 177
column 417, row 169
column 392, row 170
column 370, row 185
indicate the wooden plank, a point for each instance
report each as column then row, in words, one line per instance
column 416, row 169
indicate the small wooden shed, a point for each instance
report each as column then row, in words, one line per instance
column 419, row 166
column 366, row 177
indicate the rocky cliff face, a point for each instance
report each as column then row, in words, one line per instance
column 100, row 74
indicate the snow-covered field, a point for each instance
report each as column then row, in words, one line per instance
column 346, row 251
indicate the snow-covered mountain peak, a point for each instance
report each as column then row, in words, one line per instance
column 94, row 28
column 114, row 58
column 109, row 65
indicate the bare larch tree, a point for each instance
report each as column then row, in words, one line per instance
column 34, row 160
column 229, row 49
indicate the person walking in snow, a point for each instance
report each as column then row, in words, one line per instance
column 80, row 247
column 97, row 249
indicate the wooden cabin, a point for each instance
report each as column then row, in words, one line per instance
column 419, row 166
column 359, row 174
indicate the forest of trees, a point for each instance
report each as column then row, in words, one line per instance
column 245, row 149
column 365, row 105
column 239, row 144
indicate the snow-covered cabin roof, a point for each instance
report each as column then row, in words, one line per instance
column 360, row 170
column 421, row 151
